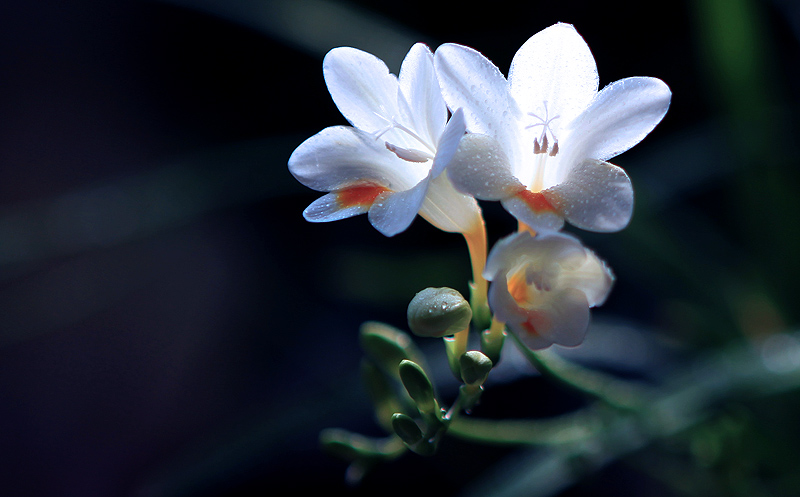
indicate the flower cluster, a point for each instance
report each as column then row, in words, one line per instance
column 451, row 129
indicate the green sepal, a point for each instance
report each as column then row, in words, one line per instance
column 418, row 386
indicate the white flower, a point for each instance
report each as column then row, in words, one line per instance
column 389, row 163
column 542, row 287
column 540, row 139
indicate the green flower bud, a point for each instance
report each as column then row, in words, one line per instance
column 418, row 386
column 475, row 367
column 406, row 428
column 438, row 312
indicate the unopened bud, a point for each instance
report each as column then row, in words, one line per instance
column 418, row 386
column 438, row 312
column 406, row 428
column 475, row 367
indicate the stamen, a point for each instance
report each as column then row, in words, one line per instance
column 409, row 154
column 393, row 124
column 540, row 145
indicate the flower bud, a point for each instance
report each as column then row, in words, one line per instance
column 418, row 386
column 406, row 428
column 475, row 367
column 438, row 312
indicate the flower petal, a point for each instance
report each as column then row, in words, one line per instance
column 554, row 66
column 535, row 210
column 341, row 156
column 361, row 87
column 393, row 212
column 619, row 117
column 563, row 319
column 481, row 168
column 592, row 277
column 420, row 87
column 448, row 209
column 448, row 142
column 595, row 196
column 469, row 80
column 328, row 208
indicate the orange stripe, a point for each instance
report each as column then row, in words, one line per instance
column 536, row 201
column 359, row 195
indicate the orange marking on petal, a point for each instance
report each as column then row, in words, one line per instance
column 536, row 201
column 518, row 288
column 529, row 327
column 359, row 195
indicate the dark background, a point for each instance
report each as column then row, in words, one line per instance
column 169, row 323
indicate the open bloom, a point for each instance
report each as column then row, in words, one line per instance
column 389, row 163
column 540, row 139
column 542, row 287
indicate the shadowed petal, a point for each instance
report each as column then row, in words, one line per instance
column 481, row 168
column 393, row 212
column 341, row 155
column 595, row 196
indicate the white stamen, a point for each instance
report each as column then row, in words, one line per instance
column 540, row 145
column 409, row 154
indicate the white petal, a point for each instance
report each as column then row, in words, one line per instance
column 592, row 277
column 361, row 87
column 522, row 247
column 420, row 87
column 564, row 318
column 469, row 80
column 539, row 214
column 448, row 209
column 327, row 208
column 596, row 196
column 481, row 168
column 619, row 117
column 503, row 305
column 448, row 142
column 394, row 212
column 557, row 67
column 340, row 155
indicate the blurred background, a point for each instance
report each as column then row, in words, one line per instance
column 171, row 326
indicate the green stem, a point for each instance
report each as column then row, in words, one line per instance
column 569, row 428
column 608, row 389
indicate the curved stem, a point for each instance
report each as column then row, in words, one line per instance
column 567, row 428
column 608, row 389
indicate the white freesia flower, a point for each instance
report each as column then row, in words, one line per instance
column 540, row 139
column 389, row 163
column 542, row 287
